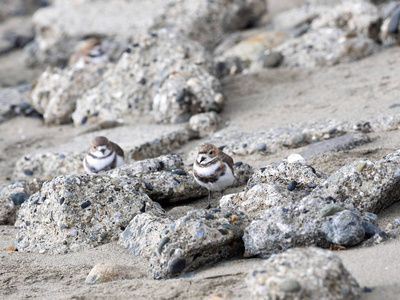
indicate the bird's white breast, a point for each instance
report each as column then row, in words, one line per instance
column 99, row 164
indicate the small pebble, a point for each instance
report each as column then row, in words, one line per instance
column 19, row 198
column 330, row 210
column 177, row 265
column 162, row 243
column 28, row 172
column 261, row 146
column 290, row 286
column 291, row 186
column 148, row 186
column 85, row 204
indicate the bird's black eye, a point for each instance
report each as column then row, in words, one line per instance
column 211, row 152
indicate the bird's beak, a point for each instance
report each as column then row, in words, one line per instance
column 202, row 159
column 103, row 150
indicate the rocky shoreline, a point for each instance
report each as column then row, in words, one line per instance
column 315, row 78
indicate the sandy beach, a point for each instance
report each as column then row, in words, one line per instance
column 271, row 98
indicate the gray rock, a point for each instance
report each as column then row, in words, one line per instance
column 61, row 219
column 164, row 74
column 205, row 124
column 319, row 48
column 365, row 185
column 62, row 26
column 301, row 134
column 55, row 93
column 267, row 188
column 261, row 146
column 344, row 142
column 330, row 210
column 306, row 273
column 13, row 195
column 173, row 247
column 359, row 18
column 272, row 59
column 111, row 272
column 208, row 22
column 9, row 98
column 345, row 228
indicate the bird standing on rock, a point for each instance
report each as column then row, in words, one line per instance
column 103, row 155
column 213, row 169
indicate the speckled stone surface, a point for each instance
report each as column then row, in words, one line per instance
column 208, row 21
column 283, row 221
column 163, row 73
column 303, row 273
column 56, row 90
column 174, row 247
column 13, row 195
column 78, row 212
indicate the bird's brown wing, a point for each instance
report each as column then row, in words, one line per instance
column 117, row 149
column 227, row 159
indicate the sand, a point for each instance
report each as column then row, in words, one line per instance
column 269, row 99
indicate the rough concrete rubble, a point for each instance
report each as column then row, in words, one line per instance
column 174, row 247
column 55, row 93
column 78, row 212
column 163, row 74
column 303, row 273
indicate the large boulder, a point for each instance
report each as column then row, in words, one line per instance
column 173, row 247
column 77, row 212
column 163, row 74
column 208, row 21
column 55, row 93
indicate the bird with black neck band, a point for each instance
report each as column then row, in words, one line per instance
column 103, row 155
column 213, row 169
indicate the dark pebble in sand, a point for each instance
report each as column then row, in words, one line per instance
column 162, row 243
column 177, row 265
column 148, row 186
column 85, row 204
column 28, row 172
column 291, row 186
column 179, row 172
column 19, row 198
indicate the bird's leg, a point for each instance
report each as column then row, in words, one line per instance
column 209, row 200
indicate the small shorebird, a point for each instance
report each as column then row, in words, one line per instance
column 103, row 155
column 213, row 169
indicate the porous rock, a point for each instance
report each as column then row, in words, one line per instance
column 48, row 165
column 163, row 74
column 55, row 92
column 208, row 21
column 13, row 195
column 355, row 17
column 267, row 188
column 111, row 272
column 369, row 186
column 59, row 28
column 174, row 247
column 303, row 273
column 77, row 212
column 326, row 46
column 205, row 123
column 345, row 228
column 359, row 188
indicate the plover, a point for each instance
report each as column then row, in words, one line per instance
column 213, row 169
column 103, row 155
column 87, row 52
